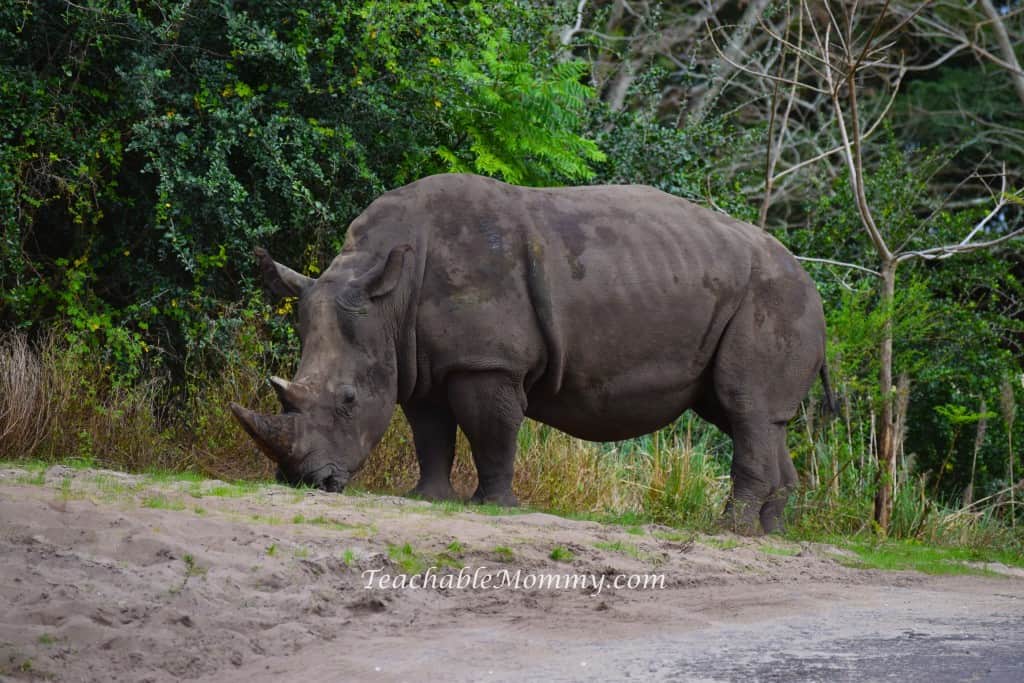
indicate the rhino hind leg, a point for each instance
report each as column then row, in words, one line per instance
column 489, row 406
column 765, row 364
column 756, row 481
column 433, row 433
column 772, row 511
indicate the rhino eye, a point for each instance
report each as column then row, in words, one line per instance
column 351, row 302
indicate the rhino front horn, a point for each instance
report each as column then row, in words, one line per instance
column 274, row 434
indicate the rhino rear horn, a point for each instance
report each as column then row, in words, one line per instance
column 281, row 280
column 290, row 394
column 274, row 434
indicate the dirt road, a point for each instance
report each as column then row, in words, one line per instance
column 105, row 576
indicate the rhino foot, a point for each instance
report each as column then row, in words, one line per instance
column 772, row 518
column 433, row 491
column 503, row 498
column 740, row 517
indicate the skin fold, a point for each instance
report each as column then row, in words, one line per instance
column 603, row 311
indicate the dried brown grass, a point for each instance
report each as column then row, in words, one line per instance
column 24, row 409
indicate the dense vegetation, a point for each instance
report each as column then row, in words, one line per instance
column 146, row 147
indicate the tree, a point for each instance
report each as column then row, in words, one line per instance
column 145, row 148
column 846, row 51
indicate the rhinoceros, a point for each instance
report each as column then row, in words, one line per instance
column 603, row 311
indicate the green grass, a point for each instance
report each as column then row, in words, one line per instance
column 35, row 471
column 271, row 550
column 454, row 506
column 191, row 568
column 722, row 543
column 112, row 488
column 503, row 553
column 162, row 503
column 630, row 549
column 365, row 530
column 81, row 462
column 451, row 556
column 779, row 550
column 628, row 519
column 675, row 536
column 407, row 559
column 165, row 477
column 30, row 464
column 348, row 557
column 561, row 554
column 238, row 489
column 912, row 555
column 37, row 478
column 46, row 639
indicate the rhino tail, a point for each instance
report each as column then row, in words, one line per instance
column 830, row 398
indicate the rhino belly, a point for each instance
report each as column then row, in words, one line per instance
column 615, row 408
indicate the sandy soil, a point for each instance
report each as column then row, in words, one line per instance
column 105, row 576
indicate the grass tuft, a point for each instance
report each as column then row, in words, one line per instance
column 407, row 559
column 561, row 554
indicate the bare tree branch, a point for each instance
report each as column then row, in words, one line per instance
column 842, row 264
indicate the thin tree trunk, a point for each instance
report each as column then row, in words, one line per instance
column 1013, row 483
column 979, row 441
column 1008, row 406
column 1005, row 47
column 734, row 54
column 887, row 428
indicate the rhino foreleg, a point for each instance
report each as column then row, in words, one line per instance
column 433, row 431
column 489, row 407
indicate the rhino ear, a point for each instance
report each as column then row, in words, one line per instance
column 384, row 276
column 281, row 280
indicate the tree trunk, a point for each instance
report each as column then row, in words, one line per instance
column 733, row 52
column 1005, row 47
column 887, row 428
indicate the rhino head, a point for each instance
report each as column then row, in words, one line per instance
column 341, row 400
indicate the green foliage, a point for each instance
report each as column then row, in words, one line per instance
column 145, row 149
column 956, row 321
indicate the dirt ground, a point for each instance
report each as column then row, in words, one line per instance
column 112, row 577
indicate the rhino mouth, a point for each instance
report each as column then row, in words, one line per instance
column 328, row 478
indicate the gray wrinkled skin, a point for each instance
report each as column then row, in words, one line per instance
column 602, row 311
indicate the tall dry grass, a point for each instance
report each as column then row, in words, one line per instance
column 24, row 408
column 56, row 404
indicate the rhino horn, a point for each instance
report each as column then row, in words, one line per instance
column 288, row 393
column 274, row 434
